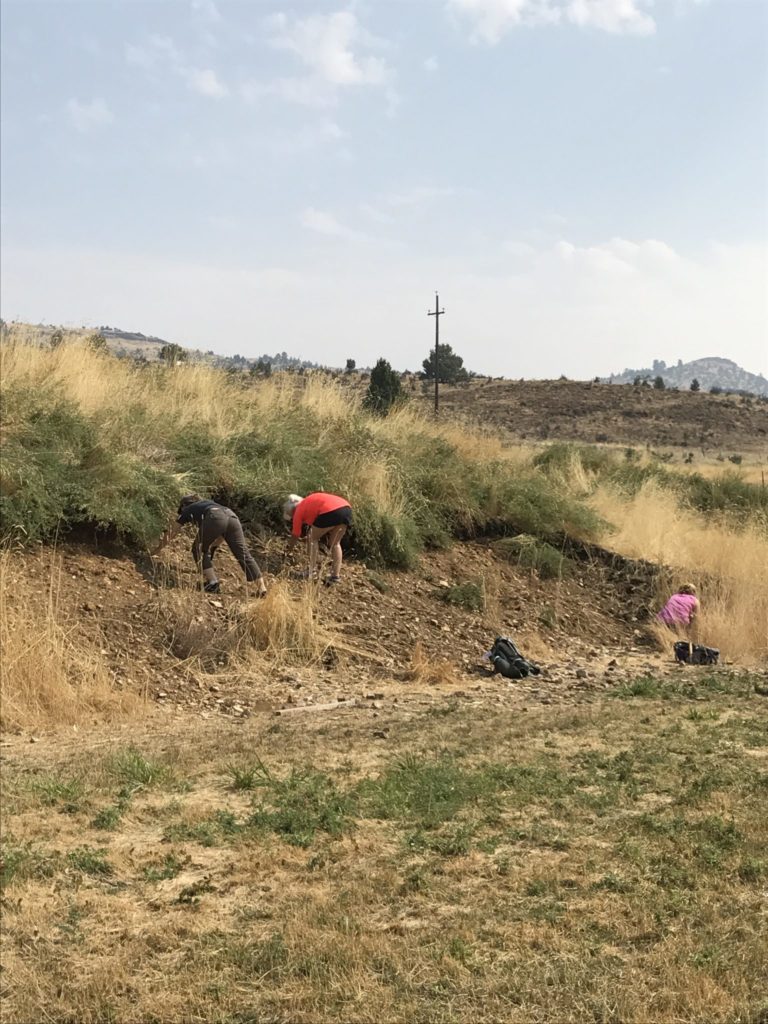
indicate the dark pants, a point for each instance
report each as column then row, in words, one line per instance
column 221, row 524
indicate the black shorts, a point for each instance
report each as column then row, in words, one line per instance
column 339, row 517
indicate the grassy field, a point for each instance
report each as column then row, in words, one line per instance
column 601, row 863
column 450, row 860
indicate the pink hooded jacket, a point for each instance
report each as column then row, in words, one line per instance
column 679, row 610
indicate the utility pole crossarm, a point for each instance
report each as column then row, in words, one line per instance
column 437, row 313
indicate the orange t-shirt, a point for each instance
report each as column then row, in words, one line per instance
column 314, row 505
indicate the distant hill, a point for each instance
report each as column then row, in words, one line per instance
column 713, row 372
column 117, row 334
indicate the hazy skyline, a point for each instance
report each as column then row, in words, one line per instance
column 584, row 181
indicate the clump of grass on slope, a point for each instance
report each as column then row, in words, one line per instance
column 584, row 466
column 90, row 439
column 47, row 676
column 539, row 556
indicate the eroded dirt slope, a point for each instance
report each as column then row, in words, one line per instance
column 161, row 637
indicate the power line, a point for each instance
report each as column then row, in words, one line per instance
column 437, row 313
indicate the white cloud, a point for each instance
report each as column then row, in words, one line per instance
column 384, row 207
column 336, row 53
column 331, row 46
column 309, row 137
column 431, row 64
column 306, row 92
column 418, row 195
column 325, row 223
column 493, row 18
column 206, row 82
column 335, row 50
column 160, row 54
column 207, row 9
column 86, row 116
column 156, row 52
column 610, row 16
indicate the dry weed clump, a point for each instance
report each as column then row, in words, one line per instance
column 48, row 675
column 430, row 671
column 284, row 625
column 729, row 564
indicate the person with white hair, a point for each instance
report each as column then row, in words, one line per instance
column 319, row 515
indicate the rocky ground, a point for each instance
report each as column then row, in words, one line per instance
column 394, row 639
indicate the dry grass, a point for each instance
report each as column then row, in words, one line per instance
column 428, row 671
column 284, row 626
column 562, row 866
column 48, row 675
column 729, row 565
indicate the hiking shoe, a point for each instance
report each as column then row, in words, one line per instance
column 331, row 580
column 212, row 588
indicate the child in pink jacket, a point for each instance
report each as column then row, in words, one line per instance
column 681, row 609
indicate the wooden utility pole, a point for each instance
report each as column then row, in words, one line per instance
column 437, row 313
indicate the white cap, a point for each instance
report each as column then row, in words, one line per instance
column 289, row 506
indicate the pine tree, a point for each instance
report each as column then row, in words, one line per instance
column 171, row 354
column 384, row 388
column 450, row 366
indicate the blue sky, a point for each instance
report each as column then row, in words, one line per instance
column 585, row 181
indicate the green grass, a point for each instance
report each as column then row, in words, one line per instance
column 728, row 493
column 539, row 556
column 301, row 805
column 67, row 794
column 21, row 861
column 694, row 683
column 218, row 828
column 168, row 867
column 90, row 861
column 246, row 776
column 602, row 863
column 64, row 468
column 132, row 768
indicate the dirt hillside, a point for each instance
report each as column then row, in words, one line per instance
column 392, row 633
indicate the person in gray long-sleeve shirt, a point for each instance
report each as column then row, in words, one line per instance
column 215, row 525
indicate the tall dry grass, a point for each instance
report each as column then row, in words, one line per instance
column 730, row 565
column 49, row 676
column 284, row 626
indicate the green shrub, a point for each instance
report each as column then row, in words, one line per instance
column 58, row 471
column 384, row 389
column 386, row 540
column 530, row 553
column 124, row 470
column 465, row 595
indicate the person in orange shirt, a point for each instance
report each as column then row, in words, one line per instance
column 320, row 515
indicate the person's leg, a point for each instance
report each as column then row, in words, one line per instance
column 315, row 533
column 209, row 536
column 334, row 542
column 235, row 538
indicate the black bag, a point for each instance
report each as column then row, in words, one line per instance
column 696, row 654
column 704, row 655
column 682, row 651
column 509, row 662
